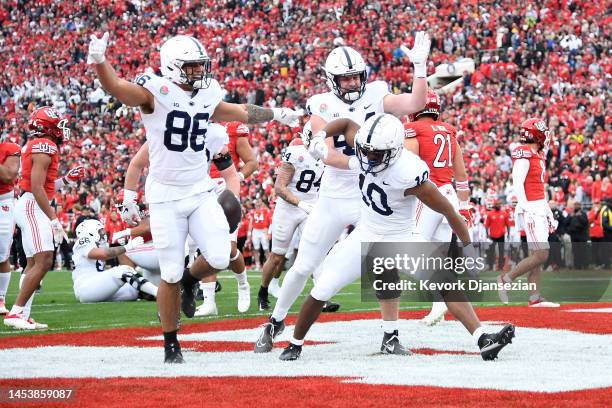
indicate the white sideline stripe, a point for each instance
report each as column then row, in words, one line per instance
column 599, row 310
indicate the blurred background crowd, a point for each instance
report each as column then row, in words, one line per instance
column 549, row 59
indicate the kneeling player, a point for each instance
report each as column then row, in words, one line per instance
column 391, row 180
column 92, row 283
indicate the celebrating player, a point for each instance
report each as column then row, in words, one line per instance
column 176, row 109
column 240, row 149
column 9, row 168
column 92, row 283
column 533, row 214
column 350, row 96
column 390, row 181
column 435, row 142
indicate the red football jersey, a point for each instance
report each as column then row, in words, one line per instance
column 45, row 146
column 234, row 131
column 261, row 218
column 437, row 148
column 536, row 177
column 8, row 149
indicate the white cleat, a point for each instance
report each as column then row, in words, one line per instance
column 244, row 297
column 37, row 325
column 3, row 309
column 541, row 302
column 206, row 309
column 274, row 288
column 436, row 315
column 18, row 322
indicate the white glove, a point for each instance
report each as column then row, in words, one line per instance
column 97, row 48
column 288, row 116
column 419, row 53
column 134, row 243
column 220, row 186
column 59, row 234
column 121, row 237
column 318, row 148
column 130, row 213
column 306, row 207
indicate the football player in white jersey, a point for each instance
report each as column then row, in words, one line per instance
column 175, row 109
column 350, row 96
column 297, row 188
column 391, row 180
column 93, row 283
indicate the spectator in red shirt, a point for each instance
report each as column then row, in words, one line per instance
column 258, row 236
column 497, row 225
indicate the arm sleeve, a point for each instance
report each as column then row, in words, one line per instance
column 519, row 174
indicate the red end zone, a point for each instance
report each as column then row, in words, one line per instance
column 232, row 391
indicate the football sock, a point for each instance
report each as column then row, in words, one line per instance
column 296, row 341
column 241, row 278
column 533, row 298
column 170, row 337
column 263, row 292
column 389, row 326
column 15, row 310
column 293, row 285
column 5, row 279
column 477, row 334
column 208, row 290
column 27, row 309
column 506, row 278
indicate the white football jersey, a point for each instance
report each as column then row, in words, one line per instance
column 84, row 266
column 308, row 171
column 339, row 183
column 385, row 209
column 177, row 135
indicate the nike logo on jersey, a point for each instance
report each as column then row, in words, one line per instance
column 385, row 183
column 366, row 107
column 206, row 106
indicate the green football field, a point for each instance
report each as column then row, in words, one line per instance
column 56, row 305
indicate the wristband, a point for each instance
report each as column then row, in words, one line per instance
column 241, row 176
column 129, row 196
column 420, row 71
column 462, row 185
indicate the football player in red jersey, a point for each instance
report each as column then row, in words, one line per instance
column 40, row 227
column 436, row 143
column 9, row 167
column 258, row 231
column 533, row 213
column 240, row 149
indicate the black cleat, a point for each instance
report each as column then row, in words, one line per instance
column 271, row 330
column 173, row 354
column 218, row 287
column 188, row 300
column 330, row 307
column 491, row 344
column 392, row 345
column 263, row 303
column 291, row 352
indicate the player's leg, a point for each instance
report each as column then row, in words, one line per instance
column 209, row 229
column 339, row 269
column 239, row 268
column 169, row 228
column 102, row 286
column 323, row 227
column 284, row 224
column 7, row 226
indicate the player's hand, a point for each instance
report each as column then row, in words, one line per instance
column 306, row 207
column 121, row 237
column 220, row 186
column 97, row 49
column 419, row 52
column 288, row 116
column 59, row 234
column 134, row 243
column 130, row 213
column 318, row 148
column 74, row 174
column 552, row 223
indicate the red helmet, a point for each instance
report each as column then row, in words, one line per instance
column 534, row 130
column 432, row 106
column 48, row 121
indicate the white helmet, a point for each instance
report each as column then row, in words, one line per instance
column 90, row 229
column 379, row 142
column 181, row 50
column 343, row 61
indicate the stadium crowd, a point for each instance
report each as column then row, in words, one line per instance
column 551, row 59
